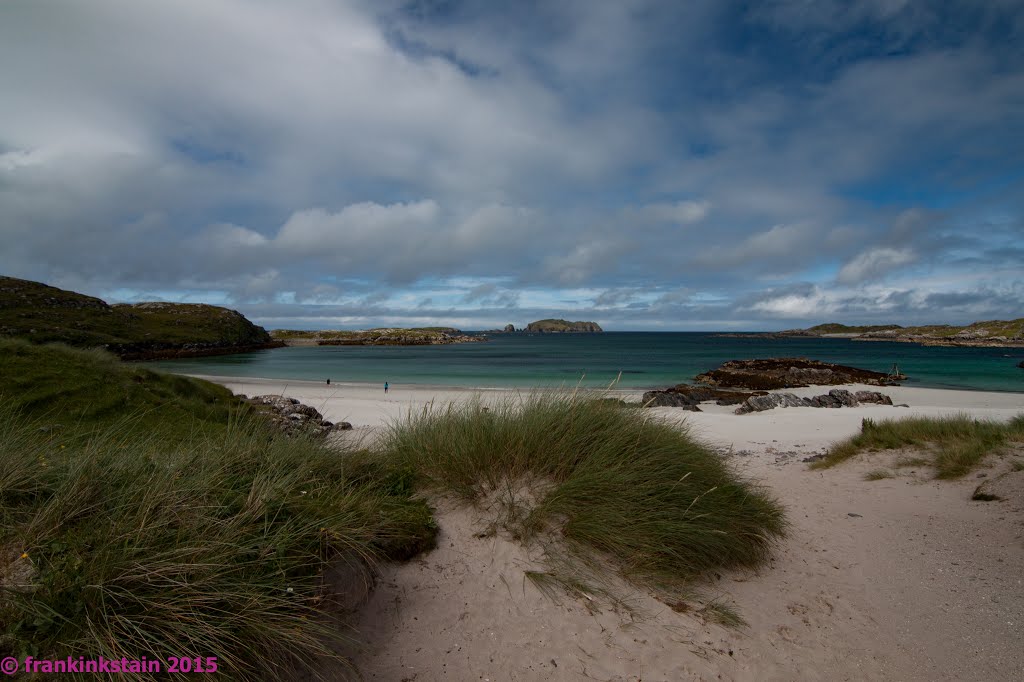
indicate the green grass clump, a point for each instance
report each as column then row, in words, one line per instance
column 878, row 475
column 74, row 392
column 175, row 523
column 660, row 505
column 959, row 443
column 726, row 615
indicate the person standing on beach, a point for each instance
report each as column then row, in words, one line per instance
column 385, row 388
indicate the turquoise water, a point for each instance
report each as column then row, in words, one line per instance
column 645, row 359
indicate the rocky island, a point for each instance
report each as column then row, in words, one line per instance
column 551, row 326
column 138, row 331
column 384, row 336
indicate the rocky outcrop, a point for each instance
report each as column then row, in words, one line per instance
column 387, row 336
column 551, row 326
column 294, row 418
column 835, row 398
column 690, row 397
column 509, row 328
column 777, row 373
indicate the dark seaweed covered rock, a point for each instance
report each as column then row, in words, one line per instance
column 689, row 397
column 774, row 373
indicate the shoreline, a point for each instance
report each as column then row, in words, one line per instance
column 224, row 379
column 804, row 429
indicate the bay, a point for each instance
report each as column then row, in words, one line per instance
column 645, row 360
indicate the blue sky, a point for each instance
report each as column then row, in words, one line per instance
column 648, row 165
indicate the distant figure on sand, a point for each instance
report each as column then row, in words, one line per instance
column 328, row 382
column 385, row 388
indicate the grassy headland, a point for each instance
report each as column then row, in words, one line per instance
column 956, row 444
column 836, row 328
column 987, row 333
column 43, row 314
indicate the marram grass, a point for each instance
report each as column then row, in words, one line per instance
column 612, row 483
column 144, row 514
column 956, row 444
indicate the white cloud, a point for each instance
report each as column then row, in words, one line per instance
column 680, row 212
column 874, row 264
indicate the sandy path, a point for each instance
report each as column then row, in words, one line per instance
column 897, row 579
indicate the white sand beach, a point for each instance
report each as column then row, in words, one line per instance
column 904, row 578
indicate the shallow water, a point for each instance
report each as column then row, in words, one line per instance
column 645, row 360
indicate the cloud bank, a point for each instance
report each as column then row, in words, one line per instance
column 649, row 165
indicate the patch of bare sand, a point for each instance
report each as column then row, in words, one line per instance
column 903, row 578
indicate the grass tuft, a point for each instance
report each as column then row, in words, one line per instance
column 724, row 614
column 959, row 442
column 661, row 506
column 878, row 475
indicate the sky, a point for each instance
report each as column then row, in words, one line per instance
column 649, row 165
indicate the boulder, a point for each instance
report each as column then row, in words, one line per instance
column 873, row 397
column 835, row 398
column 292, row 417
column 670, row 399
column 760, row 403
column 688, row 397
column 845, row 398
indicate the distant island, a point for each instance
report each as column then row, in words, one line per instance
column 384, row 336
column 562, row 327
column 994, row 333
column 138, row 331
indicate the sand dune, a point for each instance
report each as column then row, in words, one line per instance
column 903, row 578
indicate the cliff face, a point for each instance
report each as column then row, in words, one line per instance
column 562, row 326
column 42, row 314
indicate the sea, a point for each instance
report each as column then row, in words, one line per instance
column 631, row 360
